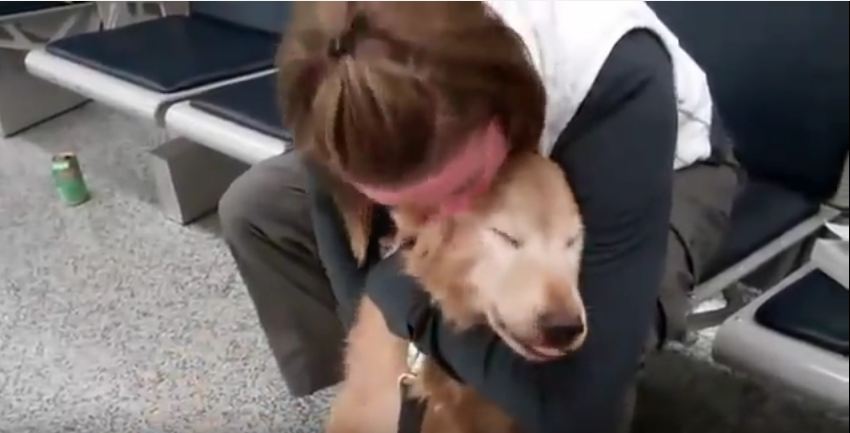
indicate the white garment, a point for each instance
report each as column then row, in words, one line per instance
column 569, row 41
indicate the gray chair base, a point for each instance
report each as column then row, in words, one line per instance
column 728, row 282
column 745, row 345
column 26, row 100
column 193, row 171
column 190, row 178
column 211, row 150
column 237, row 141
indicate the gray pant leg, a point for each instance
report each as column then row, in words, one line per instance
column 702, row 204
column 266, row 222
column 676, row 286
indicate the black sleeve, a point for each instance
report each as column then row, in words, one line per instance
column 346, row 277
column 618, row 155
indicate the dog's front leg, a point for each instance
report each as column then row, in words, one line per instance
column 369, row 400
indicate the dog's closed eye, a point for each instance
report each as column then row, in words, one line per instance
column 407, row 243
column 573, row 241
column 511, row 240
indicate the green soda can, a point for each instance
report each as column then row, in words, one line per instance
column 68, row 179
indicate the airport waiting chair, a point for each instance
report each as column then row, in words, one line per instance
column 778, row 74
column 796, row 334
column 240, row 124
column 780, row 83
column 145, row 67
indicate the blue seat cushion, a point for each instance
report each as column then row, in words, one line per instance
column 173, row 53
column 250, row 103
column 813, row 309
column 762, row 211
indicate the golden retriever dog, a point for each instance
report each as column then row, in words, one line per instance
column 511, row 262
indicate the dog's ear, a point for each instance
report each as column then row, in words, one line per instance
column 428, row 245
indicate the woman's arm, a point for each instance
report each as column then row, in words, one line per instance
column 618, row 156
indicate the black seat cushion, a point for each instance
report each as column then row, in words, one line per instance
column 763, row 211
column 778, row 73
column 173, row 53
column 12, row 8
column 813, row 309
column 250, row 103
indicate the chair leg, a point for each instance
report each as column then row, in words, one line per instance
column 736, row 297
column 43, row 100
column 717, row 284
column 191, row 178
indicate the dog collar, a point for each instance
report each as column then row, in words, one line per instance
column 415, row 365
column 412, row 411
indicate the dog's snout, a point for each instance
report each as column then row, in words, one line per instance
column 558, row 331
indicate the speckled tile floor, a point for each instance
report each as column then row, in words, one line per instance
column 113, row 319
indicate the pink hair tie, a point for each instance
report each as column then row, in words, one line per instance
column 483, row 153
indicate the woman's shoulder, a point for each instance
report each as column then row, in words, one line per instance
column 570, row 43
column 637, row 59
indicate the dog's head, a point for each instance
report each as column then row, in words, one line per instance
column 511, row 262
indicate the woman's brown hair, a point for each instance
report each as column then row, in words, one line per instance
column 383, row 92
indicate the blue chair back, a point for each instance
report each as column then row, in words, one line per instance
column 779, row 75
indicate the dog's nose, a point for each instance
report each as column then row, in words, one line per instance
column 560, row 331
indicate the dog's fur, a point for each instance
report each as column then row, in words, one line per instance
column 508, row 262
